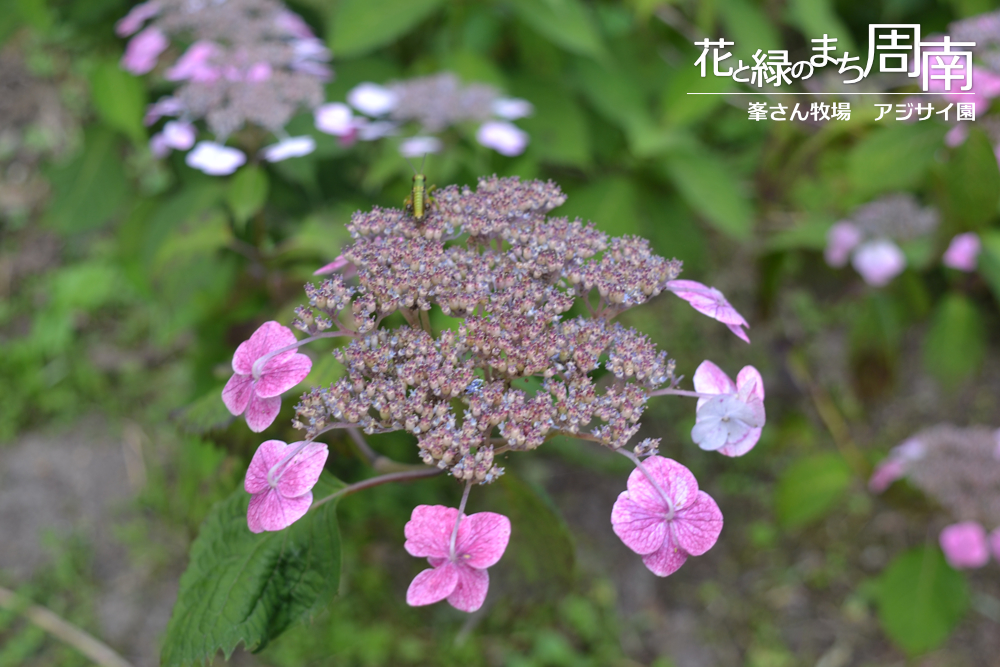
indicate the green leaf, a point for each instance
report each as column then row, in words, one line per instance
column 609, row 203
column 119, row 99
column 540, row 561
column 956, row 343
column 893, row 158
column 566, row 23
column 920, row 599
column 88, row 190
column 810, row 488
column 973, row 183
column 558, row 129
column 242, row 587
column 247, row 193
column 989, row 261
column 707, row 184
column 360, row 26
column 748, row 26
column 205, row 414
column 816, row 18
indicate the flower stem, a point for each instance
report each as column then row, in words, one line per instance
column 638, row 464
column 458, row 520
column 377, row 481
column 679, row 392
column 258, row 366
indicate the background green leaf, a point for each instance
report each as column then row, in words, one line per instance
column 893, row 158
column 920, row 599
column 247, row 193
column 566, row 23
column 360, row 26
column 973, row 183
column 242, row 587
column 707, row 184
column 120, row 99
column 809, row 488
column 956, row 342
column 88, row 190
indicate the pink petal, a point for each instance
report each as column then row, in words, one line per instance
column 740, row 333
column 261, row 412
column 428, row 532
column 432, row 585
column 697, row 527
column 215, row 159
column 963, row 252
column 706, row 300
column 674, row 479
column 470, row 593
column 957, row 135
column 503, row 137
column 482, row 539
column 193, row 64
column 268, row 337
column 886, row 472
column 302, row 473
column 642, row 531
column 750, row 384
column 281, row 374
column 743, row 445
column 179, row 135
column 841, row 239
column 333, row 266
column 710, row 379
column 267, row 455
column 964, row 545
column 879, row 261
column 334, row 118
column 270, row 511
column 666, row 560
column 372, row 99
column 136, row 17
column 143, row 50
column 237, row 393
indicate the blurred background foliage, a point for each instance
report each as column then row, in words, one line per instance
column 127, row 283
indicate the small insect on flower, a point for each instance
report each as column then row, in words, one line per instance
column 420, row 199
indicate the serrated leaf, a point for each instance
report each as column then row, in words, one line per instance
column 119, row 99
column 360, row 26
column 956, row 342
column 88, row 190
column 973, row 183
column 810, row 488
column 707, row 184
column 893, row 158
column 247, row 193
column 245, row 588
column 920, row 599
column 566, row 23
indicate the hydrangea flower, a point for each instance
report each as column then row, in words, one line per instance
column 963, row 252
column 842, row 238
column 503, row 137
column 458, row 560
column 143, row 50
column 879, row 261
column 964, row 545
column 288, row 148
column 215, row 159
column 730, row 423
column 260, row 376
column 335, row 118
column 665, row 519
column 710, row 301
column 281, row 478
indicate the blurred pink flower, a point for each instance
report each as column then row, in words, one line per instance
column 372, row 99
column 281, row 478
column 840, row 241
column 165, row 106
column 215, row 159
column 179, row 135
column 957, row 135
column 255, row 388
column 335, row 118
column 193, row 64
column 512, row 108
column 417, row 146
column 288, row 148
column 458, row 569
column 964, row 545
column 878, row 261
column 259, row 72
column 294, row 25
column 667, row 519
column 503, row 137
column 730, row 423
column 963, row 252
column 886, row 472
column 143, row 50
column 710, row 301
column 138, row 15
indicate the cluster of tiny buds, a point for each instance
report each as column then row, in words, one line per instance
column 514, row 370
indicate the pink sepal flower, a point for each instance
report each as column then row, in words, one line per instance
column 194, row 65
column 215, row 159
column 143, row 50
column 503, row 137
column 963, row 252
column 710, row 301
column 731, row 423
column 335, row 118
column 257, row 391
column 138, row 15
column 372, row 99
column 458, row 575
column 840, row 241
column 665, row 528
column 179, row 135
column 281, row 478
column 879, row 261
column 288, row 148
column 964, row 545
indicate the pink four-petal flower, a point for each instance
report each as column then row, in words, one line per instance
column 667, row 521
column 281, row 478
column 457, row 574
column 731, row 422
column 710, row 301
column 257, row 391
